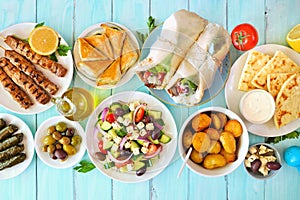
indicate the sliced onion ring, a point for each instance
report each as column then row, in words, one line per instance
column 104, row 113
column 123, row 142
column 116, row 160
column 155, row 154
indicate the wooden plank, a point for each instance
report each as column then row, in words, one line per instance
column 12, row 12
column 88, row 13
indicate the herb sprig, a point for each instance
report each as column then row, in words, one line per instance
column 275, row 140
column 151, row 26
column 84, row 166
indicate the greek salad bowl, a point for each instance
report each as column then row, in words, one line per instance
column 131, row 137
column 219, row 141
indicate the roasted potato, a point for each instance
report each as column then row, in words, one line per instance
column 228, row 142
column 234, row 127
column 223, row 119
column 187, row 138
column 212, row 133
column 212, row 161
column 201, row 122
column 215, row 147
column 196, row 156
column 201, row 142
column 229, row 157
column 216, row 122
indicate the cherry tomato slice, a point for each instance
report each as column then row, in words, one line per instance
column 110, row 118
column 139, row 114
column 151, row 149
column 244, row 37
column 119, row 165
column 100, row 147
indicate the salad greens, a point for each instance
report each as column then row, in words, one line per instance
column 84, row 166
column 292, row 135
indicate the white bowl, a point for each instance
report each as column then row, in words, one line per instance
column 257, row 106
column 44, row 156
column 242, row 147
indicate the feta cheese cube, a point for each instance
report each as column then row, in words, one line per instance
column 140, row 125
column 129, row 129
column 120, row 119
column 126, row 122
column 114, row 148
column 253, row 150
column 146, row 144
column 129, row 167
column 108, row 137
column 117, row 140
column 127, row 145
column 247, row 163
column 136, row 151
column 150, row 126
column 135, row 135
column 253, row 157
column 144, row 150
column 143, row 132
column 116, row 125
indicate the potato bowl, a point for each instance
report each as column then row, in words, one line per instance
column 242, row 143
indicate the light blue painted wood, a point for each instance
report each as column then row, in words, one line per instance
column 8, row 187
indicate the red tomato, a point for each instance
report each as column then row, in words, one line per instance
column 151, row 149
column 244, row 37
column 110, row 118
column 146, row 75
column 100, row 146
column 139, row 114
column 119, row 165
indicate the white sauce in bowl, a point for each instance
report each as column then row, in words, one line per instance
column 257, row 106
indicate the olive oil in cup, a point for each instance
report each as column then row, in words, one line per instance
column 75, row 104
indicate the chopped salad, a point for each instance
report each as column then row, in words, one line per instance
column 130, row 136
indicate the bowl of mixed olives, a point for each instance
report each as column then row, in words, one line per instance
column 59, row 142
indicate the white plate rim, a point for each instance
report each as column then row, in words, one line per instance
column 268, row 129
column 44, row 157
column 23, row 30
column 27, row 141
column 129, row 177
column 126, row 77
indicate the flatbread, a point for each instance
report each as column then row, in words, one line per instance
column 89, row 53
column 94, row 68
column 254, row 63
column 275, row 82
column 288, row 102
column 129, row 55
column 280, row 63
column 102, row 43
column 112, row 75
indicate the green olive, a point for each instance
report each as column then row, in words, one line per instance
column 51, row 130
column 65, row 107
column 56, row 135
column 51, row 148
column 76, row 140
column 44, row 148
column 64, row 140
column 71, row 150
column 48, row 140
column 61, row 127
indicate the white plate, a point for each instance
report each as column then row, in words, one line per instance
column 233, row 95
column 28, row 144
column 168, row 149
column 44, row 156
column 92, row 30
column 22, row 31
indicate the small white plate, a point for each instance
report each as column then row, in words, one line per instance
column 233, row 95
column 92, row 30
column 22, row 31
column 165, row 156
column 28, row 144
column 44, row 156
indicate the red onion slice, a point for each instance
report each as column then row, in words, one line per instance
column 123, row 142
column 116, row 160
column 104, row 113
column 155, row 154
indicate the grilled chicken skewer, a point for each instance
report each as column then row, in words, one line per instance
column 14, row 90
column 24, row 81
column 45, row 62
column 28, row 68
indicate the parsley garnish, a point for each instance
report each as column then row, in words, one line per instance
column 84, row 166
column 292, row 135
column 151, row 26
column 63, row 49
column 39, row 24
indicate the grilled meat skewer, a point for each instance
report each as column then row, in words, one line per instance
column 45, row 62
column 24, row 81
column 14, row 90
column 28, row 68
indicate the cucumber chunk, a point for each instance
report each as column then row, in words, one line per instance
column 155, row 114
column 106, row 126
column 164, row 139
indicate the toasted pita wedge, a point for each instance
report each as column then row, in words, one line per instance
column 275, row 82
column 89, row 53
column 116, row 38
column 94, row 68
column 102, row 43
column 254, row 63
column 288, row 102
column 129, row 55
column 280, row 63
column 112, row 75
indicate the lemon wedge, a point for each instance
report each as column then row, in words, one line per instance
column 293, row 38
column 43, row 40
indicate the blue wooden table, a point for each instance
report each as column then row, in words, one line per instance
column 272, row 18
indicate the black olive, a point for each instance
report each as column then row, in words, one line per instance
column 141, row 171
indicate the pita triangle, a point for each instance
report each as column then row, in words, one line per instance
column 89, row 53
column 102, row 43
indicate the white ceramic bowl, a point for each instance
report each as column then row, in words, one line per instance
column 44, row 156
column 242, row 147
column 257, row 106
column 271, row 172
